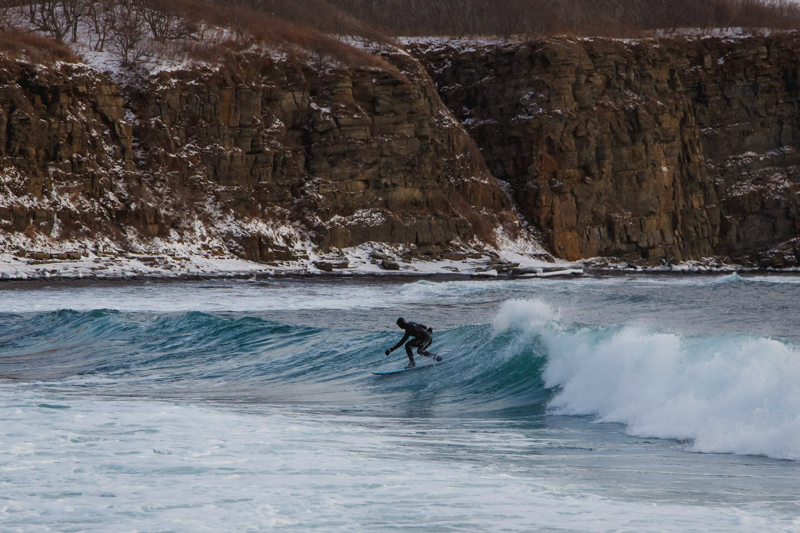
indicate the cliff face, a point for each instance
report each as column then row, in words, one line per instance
column 641, row 150
column 645, row 149
column 63, row 143
column 262, row 159
column 355, row 155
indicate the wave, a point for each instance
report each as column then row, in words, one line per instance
column 722, row 393
column 731, row 394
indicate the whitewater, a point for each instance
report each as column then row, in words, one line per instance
column 625, row 403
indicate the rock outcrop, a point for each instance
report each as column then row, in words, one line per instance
column 648, row 150
column 668, row 149
column 261, row 158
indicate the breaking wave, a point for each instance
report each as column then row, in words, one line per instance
column 732, row 394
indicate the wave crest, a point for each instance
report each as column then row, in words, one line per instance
column 731, row 394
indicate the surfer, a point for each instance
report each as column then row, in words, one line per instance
column 423, row 337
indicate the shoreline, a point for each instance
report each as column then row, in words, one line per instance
column 566, row 274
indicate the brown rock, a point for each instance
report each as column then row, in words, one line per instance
column 388, row 264
column 647, row 149
column 324, row 266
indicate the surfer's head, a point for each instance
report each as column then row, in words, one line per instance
column 401, row 322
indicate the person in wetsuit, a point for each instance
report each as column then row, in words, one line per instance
column 422, row 339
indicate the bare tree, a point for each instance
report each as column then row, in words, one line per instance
column 164, row 21
column 130, row 36
column 45, row 16
column 7, row 14
column 73, row 11
column 103, row 16
column 56, row 18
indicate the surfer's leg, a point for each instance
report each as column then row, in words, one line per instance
column 423, row 345
column 410, row 345
column 423, row 350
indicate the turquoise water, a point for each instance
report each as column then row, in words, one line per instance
column 638, row 404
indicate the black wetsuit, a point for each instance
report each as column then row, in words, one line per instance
column 422, row 339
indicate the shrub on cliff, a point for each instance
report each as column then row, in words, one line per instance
column 16, row 44
column 582, row 17
column 179, row 29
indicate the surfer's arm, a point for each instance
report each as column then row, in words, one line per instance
column 399, row 344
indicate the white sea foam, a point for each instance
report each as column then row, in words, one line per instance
column 238, row 295
column 212, row 296
column 91, row 465
column 729, row 394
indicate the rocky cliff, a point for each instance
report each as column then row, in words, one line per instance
column 648, row 150
column 264, row 158
column 668, row 149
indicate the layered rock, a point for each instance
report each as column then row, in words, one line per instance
column 644, row 150
column 654, row 149
column 249, row 158
column 63, row 142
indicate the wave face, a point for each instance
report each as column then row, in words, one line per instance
column 723, row 393
column 250, row 359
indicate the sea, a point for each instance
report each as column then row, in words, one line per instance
column 629, row 402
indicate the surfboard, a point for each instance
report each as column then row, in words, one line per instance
column 404, row 370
